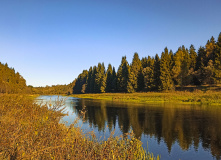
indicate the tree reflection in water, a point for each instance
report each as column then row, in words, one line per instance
column 188, row 125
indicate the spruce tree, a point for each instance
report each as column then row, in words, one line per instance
column 217, row 62
column 109, row 79
column 100, row 79
column 157, row 80
column 193, row 56
column 135, row 75
column 92, row 82
column 148, row 74
column 114, row 82
column 165, row 69
column 123, row 75
column 89, row 79
column 201, row 62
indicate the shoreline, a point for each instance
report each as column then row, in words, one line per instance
column 183, row 97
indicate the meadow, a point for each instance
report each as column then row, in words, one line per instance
column 209, row 97
column 31, row 131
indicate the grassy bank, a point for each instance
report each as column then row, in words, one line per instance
column 28, row 131
column 195, row 97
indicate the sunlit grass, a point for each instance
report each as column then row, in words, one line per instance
column 195, row 97
column 28, row 131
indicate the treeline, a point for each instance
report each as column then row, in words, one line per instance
column 182, row 68
column 11, row 81
column 54, row 89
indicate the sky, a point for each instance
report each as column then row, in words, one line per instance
column 51, row 42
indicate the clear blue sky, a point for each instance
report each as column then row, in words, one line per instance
column 51, row 41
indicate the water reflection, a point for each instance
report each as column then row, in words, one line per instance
column 188, row 125
column 174, row 131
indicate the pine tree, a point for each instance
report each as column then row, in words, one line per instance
column 89, row 79
column 148, row 74
column 157, row 80
column 165, row 67
column 11, row 81
column 200, row 64
column 210, row 50
column 114, row 82
column 80, row 85
column 135, row 75
column 109, row 80
column 92, row 81
column 123, row 75
column 217, row 62
column 131, row 81
column 193, row 56
column 100, row 79
column 208, row 73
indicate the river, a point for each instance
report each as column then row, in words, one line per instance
column 174, row 131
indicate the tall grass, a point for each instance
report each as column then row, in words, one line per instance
column 30, row 131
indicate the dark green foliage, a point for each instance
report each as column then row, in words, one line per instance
column 157, row 81
column 10, row 81
column 181, row 66
column 193, row 56
column 165, row 70
column 114, row 82
column 123, row 76
column 80, row 84
column 185, row 67
column 136, row 71
column 90, row 74
column 100, row 79
column 217, row 61
column 110, row 79
column 148, row 74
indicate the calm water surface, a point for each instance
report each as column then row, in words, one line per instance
column 174, row 131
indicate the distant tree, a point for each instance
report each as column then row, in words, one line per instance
column 80, row 84
column 217, row 61
column 123, row 75
column 208, row 73
column 165, row 70
column 89, row 79
column 92, row 81
column 100, row 79
column 193, row 56
column 157, row 80
column 114, row 82
column 136, row 71
column 200, row 64
column 210, row 50
column 11, row 81
column 131, row 81
column 109, row 79
column 148, row 74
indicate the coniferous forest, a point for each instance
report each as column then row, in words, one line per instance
column 187, row 66
column 11, row 81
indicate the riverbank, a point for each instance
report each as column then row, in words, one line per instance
column 30, row 131
column 196, row 97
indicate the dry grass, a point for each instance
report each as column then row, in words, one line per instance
column 28, row 131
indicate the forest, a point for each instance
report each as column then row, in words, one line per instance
column 160, row 73
column 11, row 81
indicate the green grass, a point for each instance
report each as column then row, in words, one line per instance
column 195, row 97
column 30, row 131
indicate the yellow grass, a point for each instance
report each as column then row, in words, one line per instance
column 28, row 131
